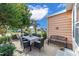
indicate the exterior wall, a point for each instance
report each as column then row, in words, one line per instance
column 64, row 24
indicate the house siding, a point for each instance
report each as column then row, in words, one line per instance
column 64, row 23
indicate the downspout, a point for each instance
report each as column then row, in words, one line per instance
column 73, row 14
column 47, row 27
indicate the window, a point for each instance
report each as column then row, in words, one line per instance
column 77, row 33
column 77, row 27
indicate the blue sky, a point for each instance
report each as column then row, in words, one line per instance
column 40, row 11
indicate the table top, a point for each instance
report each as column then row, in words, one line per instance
column 31, row 37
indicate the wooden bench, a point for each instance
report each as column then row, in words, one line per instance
column 60, row 39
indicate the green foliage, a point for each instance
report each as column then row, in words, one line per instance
column 5, row 39
column 44, row 34
column 14, row 36
column 39, row 35
column 14, row 15
column 2, row 30
column 22, row 16
column 26, row 34
column 7, row 49
column 34, row 23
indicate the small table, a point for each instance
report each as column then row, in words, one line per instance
column 66, row 52
column 31, row 39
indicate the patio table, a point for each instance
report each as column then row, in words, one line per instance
column 31, row 39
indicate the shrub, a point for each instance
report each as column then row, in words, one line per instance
column 14, row 37
column 7, row 49
column 34, row 34
column 5, row 39
column 44, row 34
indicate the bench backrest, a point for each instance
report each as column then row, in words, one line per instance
column 58, row 37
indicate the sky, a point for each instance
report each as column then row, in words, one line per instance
column 40, row 11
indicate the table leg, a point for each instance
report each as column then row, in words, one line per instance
column 48, row 42
column 65, row 45
column 30, row 46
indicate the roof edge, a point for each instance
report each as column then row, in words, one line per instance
column 68, row 7
column 60, row 12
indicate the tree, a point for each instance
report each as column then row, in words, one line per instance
column 34, row 23
column 35, row 27
column 14, row 15
column 24, row 20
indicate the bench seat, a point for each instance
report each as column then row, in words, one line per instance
column 57, row 38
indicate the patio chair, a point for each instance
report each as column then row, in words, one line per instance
column 23, row 39
column 25, row 34
column 39, row 44
column 24, row 43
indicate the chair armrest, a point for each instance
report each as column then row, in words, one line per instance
column 25, row 41
column 37, row 41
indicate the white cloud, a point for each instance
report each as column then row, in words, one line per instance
column 31, row 7
column 37, row 6
column 44, row 5
column 38, row 12
column 61, row 5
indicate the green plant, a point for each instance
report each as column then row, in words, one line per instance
column 7, row 49
column 14, row 37
column 26, row 34
column 44, row 34
column 14, row 16
column 5, row 39
column 34, row 34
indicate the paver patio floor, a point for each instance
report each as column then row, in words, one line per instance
column 47, row 50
